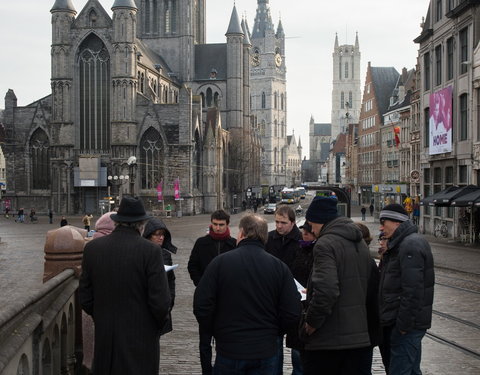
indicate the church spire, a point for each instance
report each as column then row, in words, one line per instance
column 234, row 26
column 336, row 41
column 357, row 46
column 263, row 20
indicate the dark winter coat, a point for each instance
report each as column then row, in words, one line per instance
column 203, row 252
column 284, row 247
column 407, row 280
column 167, row 250
column 301, row 269
column 337, row 289
column 246, row 299
column 124, row 287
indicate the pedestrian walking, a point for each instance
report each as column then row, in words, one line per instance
column 32, row 215
column 335, row 330
column 266, row 302
column 283, row 243
column 7, row 210
column 363, row 211
column 372, row 208
column 206, row 248
column 406, row 289
column 50, row 216
column 20, row 216
column 124, row 287
column 157, row 232
column 87, row 221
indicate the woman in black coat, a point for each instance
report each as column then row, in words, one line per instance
column 157, row 232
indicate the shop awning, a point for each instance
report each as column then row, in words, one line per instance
column 429, row 201
column 446, row 198
column 467, row 200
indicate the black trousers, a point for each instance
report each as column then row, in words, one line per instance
column 331, row 362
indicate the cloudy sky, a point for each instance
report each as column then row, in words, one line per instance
column 386, row 29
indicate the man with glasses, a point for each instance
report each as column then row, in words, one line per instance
column 206, row 248
column 406, row 291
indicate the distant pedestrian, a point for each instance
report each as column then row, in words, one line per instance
column 157, row 232
column 86, row 221
column 32, row 215
column 407, row 281
column 265, row 301
column 206, row 248
column 63, row 221
column 7, row 210
column 50, row 216
column 372, row 208
column 124, row 287
column 335, row 329
column 20, row 216
column 363, row 211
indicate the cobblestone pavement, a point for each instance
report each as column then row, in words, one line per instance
column 21, row 271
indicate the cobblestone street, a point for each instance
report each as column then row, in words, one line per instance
column 21, row 270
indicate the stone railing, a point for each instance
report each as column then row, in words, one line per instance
column 40, row 333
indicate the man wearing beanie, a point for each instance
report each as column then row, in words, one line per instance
column 335, row 328
column 406, row 291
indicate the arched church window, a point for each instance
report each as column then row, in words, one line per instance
column 151, row 157
column 94, row 103
column 202, row 95
column 275, row 128
column 209, row 97
column 92, row 17
column 148, row 15
column 342, row 100
column 350, row 98
column 263, row 100
column 275, row 100
column 262, row 128
column 346, row 69
column 170, row 16
column 142, row 79
column 216, row 98
column 40, row 167
column 281, row 102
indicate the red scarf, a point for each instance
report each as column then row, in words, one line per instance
column 219, row 236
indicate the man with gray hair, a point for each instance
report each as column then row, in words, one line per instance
column 245, row 298
column 124, row 287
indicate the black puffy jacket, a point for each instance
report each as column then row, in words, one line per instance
column 407, row 280
column 284, row 247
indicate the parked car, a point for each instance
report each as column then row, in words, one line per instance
column 270, row 208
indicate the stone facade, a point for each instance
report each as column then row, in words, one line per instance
column 136, row 102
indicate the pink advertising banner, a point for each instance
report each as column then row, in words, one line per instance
column 160, row 191
column 176, row 189
column 440, row 122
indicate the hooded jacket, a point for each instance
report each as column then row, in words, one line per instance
column 407, row 280
column 167, row 250
column 337, row 289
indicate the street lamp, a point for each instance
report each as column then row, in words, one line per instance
column 117, row 181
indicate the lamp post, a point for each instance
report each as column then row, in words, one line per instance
column 117, row 181
column 132, row 165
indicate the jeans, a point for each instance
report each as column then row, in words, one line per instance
column 227, row 366
column 406, row 352
column 205, row 348
column 296, row 363
column 279, row 370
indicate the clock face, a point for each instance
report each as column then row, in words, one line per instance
column 255, row 59
column 278, row 59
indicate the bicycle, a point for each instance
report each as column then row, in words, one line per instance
column 441, row 229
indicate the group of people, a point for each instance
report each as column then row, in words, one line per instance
column 316, row 286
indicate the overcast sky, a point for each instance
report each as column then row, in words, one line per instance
column 386, row 29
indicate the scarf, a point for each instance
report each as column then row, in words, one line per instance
column 219, row 236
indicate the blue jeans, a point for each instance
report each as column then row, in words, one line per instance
column 227, row 366
column 406, row 352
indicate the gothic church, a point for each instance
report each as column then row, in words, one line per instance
column 138, row 100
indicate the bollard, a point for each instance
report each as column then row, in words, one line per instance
column 63, row 250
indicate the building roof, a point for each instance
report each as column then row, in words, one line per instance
column 263, row 20
column 322, row 129
column 340, row 142
column 246, row 37
column 124, row 4
column 63, row 5
column 234, row 26
column 208, row 57
column 384, row 81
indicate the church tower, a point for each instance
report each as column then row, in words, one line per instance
column 346, row 95
column 269, row 94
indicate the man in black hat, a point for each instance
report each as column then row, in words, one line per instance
column 335, row 328
column 124, row 287
column 406, row 291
